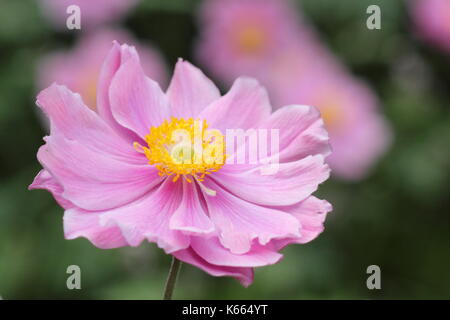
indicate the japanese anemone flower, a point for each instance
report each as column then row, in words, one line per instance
column 248, row 33
column 116, row 174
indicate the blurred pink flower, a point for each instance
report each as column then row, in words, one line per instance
column 239, row 37
column 79, row 68
column 296, row 68
column 359, row 134
column 93, row 12
column 223, row 218
column 432, row 21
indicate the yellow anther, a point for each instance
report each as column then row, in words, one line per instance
column 177, row 147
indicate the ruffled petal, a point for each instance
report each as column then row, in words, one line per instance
column 45, row 181
column 137, row 102
column 80, row 223
column 245, row 106
column 301, row 132
column 215, row 253
column 191, row 217
column 149, row 217
column 239, row 221
column 288, row 183
column 190, row 91
column 311, row 213
column 92, row 180
column 115, row 58
column 70, row 117
column 243, row 275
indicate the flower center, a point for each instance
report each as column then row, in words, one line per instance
column 184, row 148
column 331, row 109
column 250, row 39
column 332, row 116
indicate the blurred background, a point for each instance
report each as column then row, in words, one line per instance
column 390, row 183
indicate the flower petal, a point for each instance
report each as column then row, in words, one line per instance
column 212, row 251
column 45, row 181
column 80, row 223
column 245, row 106
column 244, row 275
column 116, row 56
column 149, row 216
column 190, row 91
column 70, row 117
column 191, row 217
column 92, row 180
column 137, row 102
column 239, row 221
column 301, row 132
column 288, row 184
column 311, row 214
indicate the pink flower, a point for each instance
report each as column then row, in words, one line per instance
column 432, row 20
column 296, row 68
column 114, row 170
column 79, row 68
column 93, row 12
column 239, row 37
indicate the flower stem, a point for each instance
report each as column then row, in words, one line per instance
column 172, row 278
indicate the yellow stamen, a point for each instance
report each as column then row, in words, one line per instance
column 176, row 147
column 250, row 39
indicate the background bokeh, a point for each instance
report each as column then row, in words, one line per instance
column 398, row 217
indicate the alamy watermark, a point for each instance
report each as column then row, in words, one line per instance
column 373, row 22
column 74, row 280
column 374, row 280
column 73, row 21
column 252, row 146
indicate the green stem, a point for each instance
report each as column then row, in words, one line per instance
column 172, row 278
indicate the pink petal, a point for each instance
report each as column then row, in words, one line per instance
column 191, row 217
column 293, row 182
column 149, row 217
column 116, row 56
column 45, row 181
column 239, row 222
column 311, row 214
column 92, row 180
column 245, row 106
column 75, row 121
column 212, row 251
column 301, row 132
column 137, row 102
column 80, row 223
column 190, row 91
column 244, row 275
